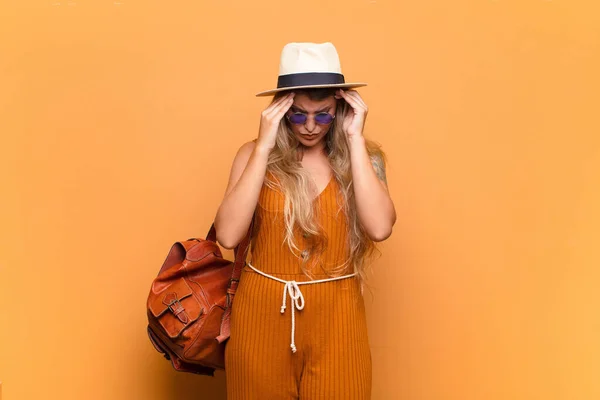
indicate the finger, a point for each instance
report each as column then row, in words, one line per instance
column 350, row 100
column 277, row 114
column 277, row 102
column 357, row 97
column 286, row 103
column 358, row 107
column 283, row 109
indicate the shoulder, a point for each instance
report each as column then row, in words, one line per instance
column 244, row 153
column 378, row 160
column 247, row 148
column 375, row 151
column 377, row 156
column 239, row 164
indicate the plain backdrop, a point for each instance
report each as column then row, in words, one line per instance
column 119, row 121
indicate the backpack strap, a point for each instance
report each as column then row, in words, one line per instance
column 240, row 252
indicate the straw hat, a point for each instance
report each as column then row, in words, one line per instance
column 309, row 65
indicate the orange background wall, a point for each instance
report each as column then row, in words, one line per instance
column 119, row 121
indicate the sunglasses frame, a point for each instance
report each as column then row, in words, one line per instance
column 287, row 115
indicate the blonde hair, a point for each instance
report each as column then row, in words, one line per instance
column 293, row 181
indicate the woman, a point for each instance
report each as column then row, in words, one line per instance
column 317, row 190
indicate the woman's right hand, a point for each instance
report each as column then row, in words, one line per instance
column 270, row 119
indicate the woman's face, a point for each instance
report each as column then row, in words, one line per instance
column 311, row 133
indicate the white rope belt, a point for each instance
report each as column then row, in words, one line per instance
column 293, row 289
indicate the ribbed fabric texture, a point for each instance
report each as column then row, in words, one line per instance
column 333, row 359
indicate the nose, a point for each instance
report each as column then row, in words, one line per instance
column 310, row 124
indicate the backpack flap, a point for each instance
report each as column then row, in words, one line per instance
column 175, row 307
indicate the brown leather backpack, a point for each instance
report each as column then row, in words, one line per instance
column 190, row 303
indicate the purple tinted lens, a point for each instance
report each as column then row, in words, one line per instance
column 323, row 118
column 297, row 118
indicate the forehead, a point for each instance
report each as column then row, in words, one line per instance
column 302, row 101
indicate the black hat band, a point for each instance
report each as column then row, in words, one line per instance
column 309, row 78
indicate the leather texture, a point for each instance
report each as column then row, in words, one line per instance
column 190, row 300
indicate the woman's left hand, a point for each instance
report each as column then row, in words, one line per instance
column 354, row 122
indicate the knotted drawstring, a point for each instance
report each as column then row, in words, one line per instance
column 292, row 288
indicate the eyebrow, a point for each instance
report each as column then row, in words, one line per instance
column 326, row 108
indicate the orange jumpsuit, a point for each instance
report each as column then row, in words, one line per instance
column 333, row 358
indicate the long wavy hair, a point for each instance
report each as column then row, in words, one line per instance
column 293, row 180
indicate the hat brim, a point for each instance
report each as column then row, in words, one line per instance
column 333, row 85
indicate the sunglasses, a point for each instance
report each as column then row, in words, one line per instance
column 298, row 118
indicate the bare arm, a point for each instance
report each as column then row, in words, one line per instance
column 247, row 175
column 374, row 206
column 241, row 196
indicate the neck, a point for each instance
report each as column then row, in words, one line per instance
column 316, row 150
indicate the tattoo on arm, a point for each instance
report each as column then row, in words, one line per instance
column 379, row 168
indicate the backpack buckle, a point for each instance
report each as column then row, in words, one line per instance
column 175, row 306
